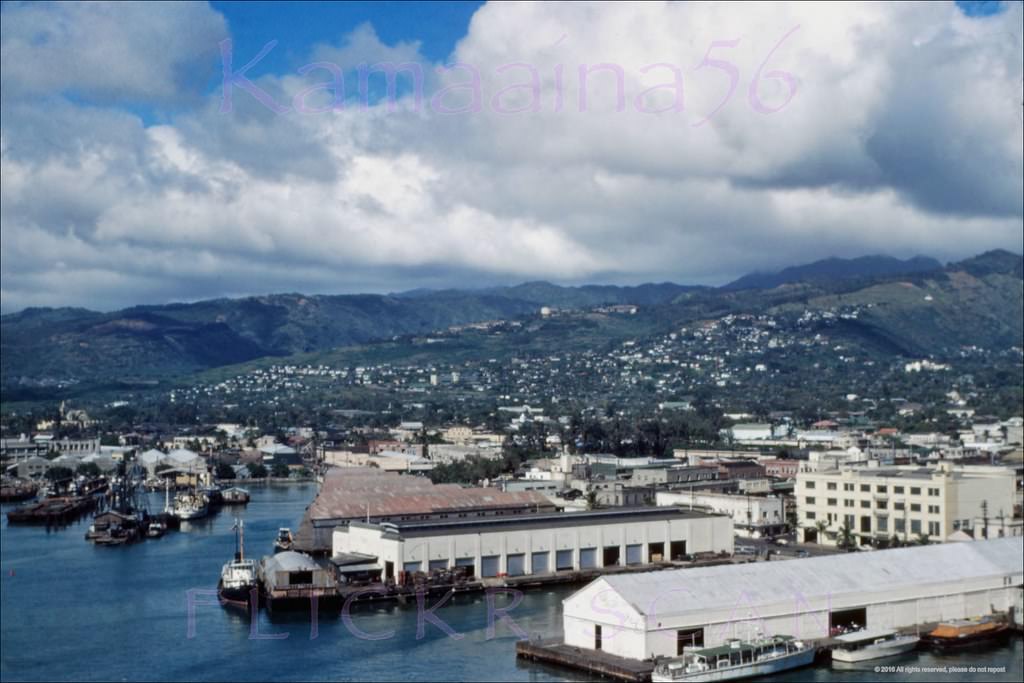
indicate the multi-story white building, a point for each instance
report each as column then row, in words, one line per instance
column 902, row 503
column 752, row 516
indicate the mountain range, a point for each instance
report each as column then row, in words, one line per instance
column 913, row 307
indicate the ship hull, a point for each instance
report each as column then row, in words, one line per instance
column 760, row 668
column 959, row 644
column 875, row 652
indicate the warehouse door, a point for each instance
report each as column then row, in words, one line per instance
column 656, row 552
column 438, row 565
column 588, row 558
column 411, row 567
column 540, row 563
column 848, row 618
column 516, row 564
column 678, row 550
column 489, row 565
column 634, row 554
column 611, row 556
column 563, row 560
column 467, row 565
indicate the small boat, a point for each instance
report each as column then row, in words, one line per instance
column 284, row 540
column 963, row 633
column 737, row 659
column 238, row 578
column 235, row 496
column 191, row 505
column 156, row 530
column 861, row 646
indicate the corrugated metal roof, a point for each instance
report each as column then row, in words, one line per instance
column 694, row 590
column 289, row 561
column 347, row 492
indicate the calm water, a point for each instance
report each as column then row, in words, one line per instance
column 74, row 611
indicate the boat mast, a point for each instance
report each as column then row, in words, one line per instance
column 241, row 540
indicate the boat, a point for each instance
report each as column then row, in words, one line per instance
column 861, row 646
column 284, row 540
column 235, row 496
column 963, row 633
column 238, row 579
column 191, row 505
column 736, row 659
column 156, row 530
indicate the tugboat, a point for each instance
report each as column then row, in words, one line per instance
column 284, row 540
column 964, row 633
column 238, row 578
column 737, row 659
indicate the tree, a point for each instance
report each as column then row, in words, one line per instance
column 258, row 470
column 822, row 526
column 592, row 500
column 88, row 469
column 59, row 474
column 224, row 471
column 845, row 538
column 281, row 471
column 923, row 539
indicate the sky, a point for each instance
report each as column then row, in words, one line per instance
column 150, row 153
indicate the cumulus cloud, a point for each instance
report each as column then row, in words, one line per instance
column 850, row 129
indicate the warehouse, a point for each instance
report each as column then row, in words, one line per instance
column 639, row 616
column 532, row 544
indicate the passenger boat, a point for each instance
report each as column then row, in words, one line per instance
column 238, row 578
column 737, row 659
column 284, row 540
column 191, row 505
column 861, row 646
column 963, row 633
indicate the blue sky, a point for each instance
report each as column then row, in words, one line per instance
column 841, row 129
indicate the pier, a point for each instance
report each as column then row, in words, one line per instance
column 552, row 651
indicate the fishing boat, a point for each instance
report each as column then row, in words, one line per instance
column 737, row 659
column 238, row 578
column 156, row 529
column 191, row 505
column 284, row 540
column 964, row 633
column 861, row 646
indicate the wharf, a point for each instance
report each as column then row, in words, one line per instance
column 555, row 652
column 52, row 510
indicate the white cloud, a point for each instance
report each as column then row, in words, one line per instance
column 904, row 136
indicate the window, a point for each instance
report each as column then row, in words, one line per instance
column 866, row 504
column 808, row 484
column 848, row 503
column 933, row 528
column 933, row 509
column 832, row 502
column 882, row 524
column 881, row 489
column 831, row 486
column 897, row 490
column 915, row 507
column 933, row 492
column 880, row 504
column 915, row 526
column 915, row 490
column 865, row 488
column 847, row 487
column 810, row 500
column 901, row 526
column 810, row 516
column 899, row 505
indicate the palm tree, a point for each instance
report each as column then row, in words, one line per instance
column 923, row 539
column 846, row 540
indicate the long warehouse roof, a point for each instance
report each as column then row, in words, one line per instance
column 709, row 588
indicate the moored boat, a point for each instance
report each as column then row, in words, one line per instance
column 235, row 496
column 861, row 646
column 190, row 505
column 964, row 633
column 284, row 540
column 736, row 659
column 238, row 579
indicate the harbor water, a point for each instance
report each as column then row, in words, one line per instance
column 146, row 611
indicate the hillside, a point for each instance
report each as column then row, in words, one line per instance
column 833, row 269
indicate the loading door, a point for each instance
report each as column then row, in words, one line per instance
column 516, row 564
column 540, row 563
column 489, row 565
column 588, row 558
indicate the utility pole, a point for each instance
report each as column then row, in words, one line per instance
column 984, row 519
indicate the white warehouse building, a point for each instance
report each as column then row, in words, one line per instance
column 531, row 544
column 658, row 614
column 752, row 516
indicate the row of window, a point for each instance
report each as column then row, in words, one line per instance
column 898, row 505
column 882, row 524
column 879, row 488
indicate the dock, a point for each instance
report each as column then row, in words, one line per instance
column 555, row 652
column 52, row 510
